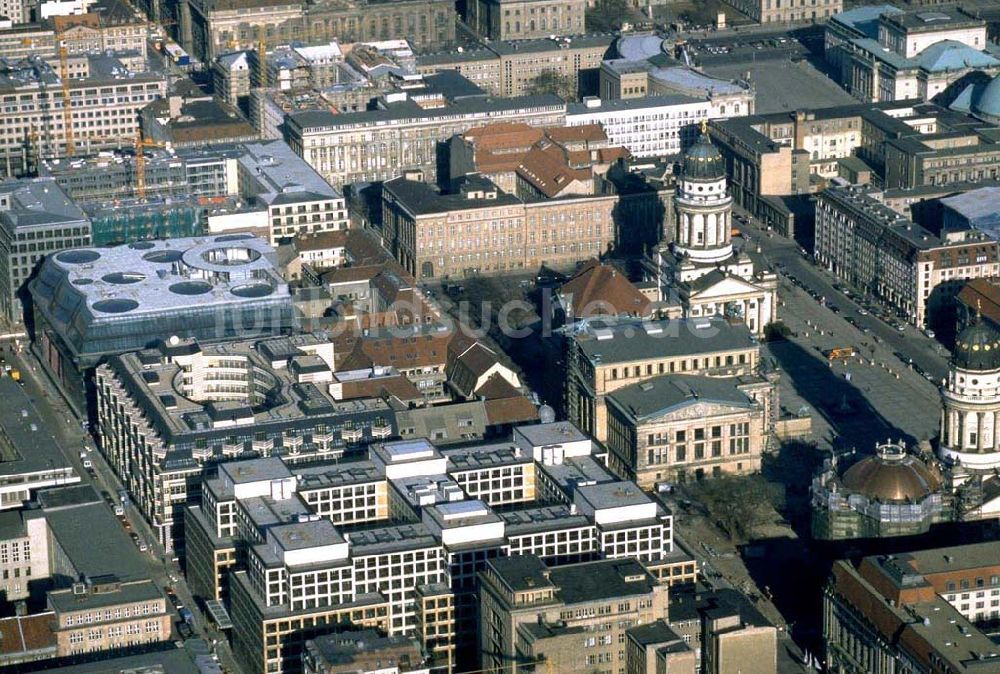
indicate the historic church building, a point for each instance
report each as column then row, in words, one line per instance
column 701, row 270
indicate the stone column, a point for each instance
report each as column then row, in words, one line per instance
column 979, row 431
column 944, row 428
column 960, row 430
column 996, row 430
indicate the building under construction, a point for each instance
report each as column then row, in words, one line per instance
column 131, row 220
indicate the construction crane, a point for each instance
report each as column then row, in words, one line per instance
column 262, row 55
column 67, row 104
column 140, row 162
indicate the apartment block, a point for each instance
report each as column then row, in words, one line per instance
column 605, row 356
column 884, row 254
column 213, row 413
column 403, row 134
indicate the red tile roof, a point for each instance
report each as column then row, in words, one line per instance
column 600, row 289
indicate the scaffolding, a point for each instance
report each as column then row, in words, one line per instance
column 130, row 221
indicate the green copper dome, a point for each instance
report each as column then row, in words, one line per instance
column 703, row 161
column 977, row 348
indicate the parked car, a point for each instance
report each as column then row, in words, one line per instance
column 185, row 630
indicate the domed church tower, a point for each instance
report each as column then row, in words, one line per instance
column 703, row 206
column 970, row 419
column 699, row 269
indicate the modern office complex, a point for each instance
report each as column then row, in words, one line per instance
column 91, row 303
column 37, row 218
column 259, row 538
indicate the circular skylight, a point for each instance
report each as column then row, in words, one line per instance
column 79, row 256
column 191, row 288
column 253, row 290
column 115, row 306
column 123, row 277
column 163, row 256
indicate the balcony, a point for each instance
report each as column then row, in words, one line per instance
column 352, row 434
column 263, row 445
column 293, row 443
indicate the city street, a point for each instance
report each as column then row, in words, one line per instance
column 72, row 438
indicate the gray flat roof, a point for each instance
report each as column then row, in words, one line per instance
column 625, row 341
column 254, row 470
column 604, row 579
column 116, row 555
column 613, row 495
column 395, row 538
column 408, row 110
column 169, row 660
column 557, row 432
column 419, row 198
column 27, row 445
column 281, row 176
column 540, row 519
column 38, row 202
column 143, row 590
column 614, row 105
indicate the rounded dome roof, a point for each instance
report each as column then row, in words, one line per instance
column 703, row 160
column 977, row 348
column 988, row 101
column 891, row 475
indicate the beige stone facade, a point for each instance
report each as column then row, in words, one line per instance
column 382, row 144
column 602, row 361
column 491, row 234
column 787, row 11
column 108, row 616
column 208, row 29
column 523, row 19
column 525, row 615
column 677, row 428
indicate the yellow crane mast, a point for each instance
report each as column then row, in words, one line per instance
column 140, row 162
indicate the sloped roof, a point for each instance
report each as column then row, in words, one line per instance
column 496, row 387
column 512, row 410
column 661, row 394
column 603, row 290
column 547, row 171
column 24, row 634
column 590, row 133
column 953, row 55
